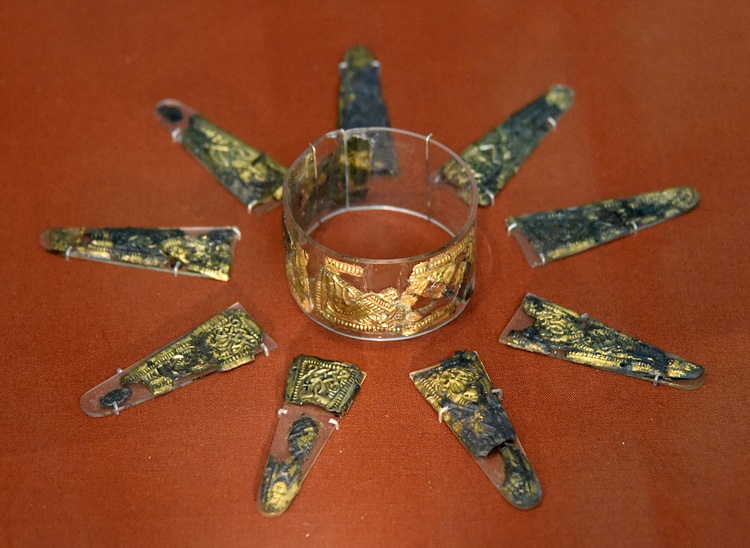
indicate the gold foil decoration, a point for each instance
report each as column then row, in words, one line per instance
column 496, row 158
column 361, row 105
column 226, row 341
column 435, row 287
column 248, row 173
column 282, row 478
column 317, row 392
column 328, row 384
column 205, row 252
column 547, row 328
column 550, row 235
column 361, row 102
column 459, row 390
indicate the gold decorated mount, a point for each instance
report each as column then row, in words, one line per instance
column 201, row 252
column 282, row 477
column 361, row 102
column 328, row 384
column 228, row 340
column 248, row 173
column 550, row 235
column 497, row 156
column 224, row 342
column 547, row 328
column 459, row 390
column 317, row 391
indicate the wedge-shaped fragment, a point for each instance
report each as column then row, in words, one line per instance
column 547, row 328
column 496, row 158
column 459, row 390
column 550, row 235
column 249, row 174
column 226, row 341
column 317, row 393
column 205, row 252
column 361, row 102
column 361, row 105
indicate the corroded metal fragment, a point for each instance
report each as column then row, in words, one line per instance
column 248, row 173
column 317, row 393
column 224, row 342
column 228, row 340
column 361, row 102
column 116, row 397
column 549, row 235
column 361, row 105
column 205, row 252
column 547, row 328
column 460, row 387
column 282, row 478
column 496, row 158
column 521, row 487
column 459, row 390
column 329, row 384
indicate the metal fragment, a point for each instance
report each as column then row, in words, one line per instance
column 496, row 158
column 547, row 328
column 282, row 478
column 550, row 235
column 317, row 393
column 459, row 390
column 361, row 105
column 116, row 398
column 329, row 384
column 226, row 341
column 361, row 102
column 248, row 173
column 205, row 252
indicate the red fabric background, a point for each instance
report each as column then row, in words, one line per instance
column 662, row 101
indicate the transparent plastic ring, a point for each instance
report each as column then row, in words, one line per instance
column 379, row 230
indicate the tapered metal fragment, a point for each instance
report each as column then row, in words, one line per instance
column 205, row 252
column 361, row 105
column 459, row 390
column 496, row 158
column 547, row 328
column 248, row 173
column 550, row 235
column 317, row 392
column 226, row 341
column 361, row 102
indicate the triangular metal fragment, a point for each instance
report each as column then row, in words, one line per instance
column 317, row 393
column 248, row 173
column 459, row 390
column 547, row 328
column 361, row 102
column 205, row 251
column 361, row 105
column 496, row 158
column 550, row 235
column 226, row 341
